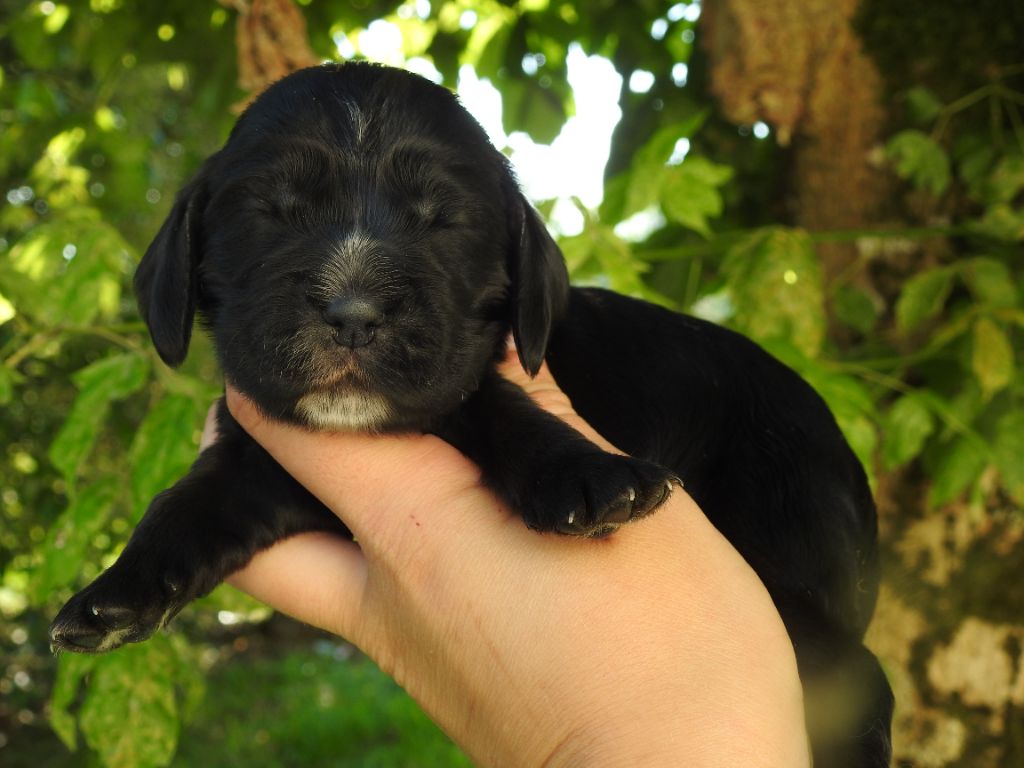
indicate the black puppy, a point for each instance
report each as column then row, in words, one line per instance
column 359, row 252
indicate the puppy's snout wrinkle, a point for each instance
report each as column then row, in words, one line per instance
column 355, row 320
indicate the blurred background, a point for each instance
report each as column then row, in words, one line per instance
column 842, row 181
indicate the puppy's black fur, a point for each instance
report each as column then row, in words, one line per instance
column 359, row 252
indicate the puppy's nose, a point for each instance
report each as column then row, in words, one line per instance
column 355, row 320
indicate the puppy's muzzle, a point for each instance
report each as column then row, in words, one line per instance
column 355, row 320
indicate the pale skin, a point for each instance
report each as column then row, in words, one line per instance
column 656, row 646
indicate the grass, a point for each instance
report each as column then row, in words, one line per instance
column 310, row 709
column 307, row 704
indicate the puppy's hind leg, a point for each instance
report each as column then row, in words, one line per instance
column 848, row 701
column 234, row 502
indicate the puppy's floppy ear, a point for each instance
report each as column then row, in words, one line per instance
column 166, row 282
column 540, row 283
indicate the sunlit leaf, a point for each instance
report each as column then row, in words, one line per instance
column 71, row 670
column 69, row 537
column 689, row 194
column 775, row 280
column 129, row 715
column 617, row 263
column 991, row 357
column 108, row 379
column 417, row 34
column 577, row 251
column 7, row 310
column 56, row 19
column 67, row 271
column 163, row 448
column 485, row 49
column 649, row 167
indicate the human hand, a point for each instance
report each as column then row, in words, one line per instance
column 655, row 646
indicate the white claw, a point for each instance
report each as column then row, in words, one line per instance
column 632, row 495
column 572, row 516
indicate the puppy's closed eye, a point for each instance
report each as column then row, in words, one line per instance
column 436, row 214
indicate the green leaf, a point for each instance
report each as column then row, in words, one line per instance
column 862, row 435
column 924, row 106
column 188, row 677
column 1008, row 448
column 488, row 40
column 130, row 713
column 923, row 297
column 853, row 409
column 6, row 385
column 7, row 310
column 1003, row 222
column 990, row 281
column 907, row 425
column 68, row 538
column 649, row 168
column 855, row 308
column 617, row 264
column 774, row 279
column 71, row 669
column 974, row 169
column 658, row 149
column 67, row 271
column 616, row 198
column 164, row 447
column 526, row 106
column 577, row 251
column 921, row 160
column 417, row 34
column 957, row 466
column 106, row 380
column 1006, row 180
column 689, row 193
column 991, row 357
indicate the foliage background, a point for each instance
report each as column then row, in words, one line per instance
column 873, row 241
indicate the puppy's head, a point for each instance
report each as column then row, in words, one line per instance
column 358, row 250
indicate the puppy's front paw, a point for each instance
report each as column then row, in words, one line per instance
column 122, row 606
column 593, row 493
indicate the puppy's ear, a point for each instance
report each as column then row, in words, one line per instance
column 540, row 283
column 166, row 281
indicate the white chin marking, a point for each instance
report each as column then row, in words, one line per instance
column 344, row 411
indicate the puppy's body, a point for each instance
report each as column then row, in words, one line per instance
column 359, row 252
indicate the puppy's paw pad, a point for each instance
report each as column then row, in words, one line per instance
column 601, row 492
